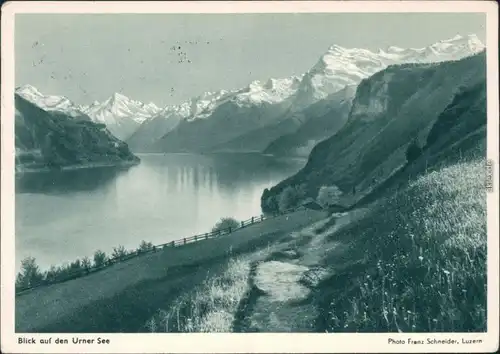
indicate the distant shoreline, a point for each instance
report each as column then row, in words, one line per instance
column 20, row 170
column 223, row 153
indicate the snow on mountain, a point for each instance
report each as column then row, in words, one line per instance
column 340, row 66
column 257, row 92
column 227, row 112
column 48, row 103
column 271, row 91
column 119, row 107
column 121, row 114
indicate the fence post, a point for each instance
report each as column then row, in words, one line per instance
column 262, row 218
column 242, row 224
column 206, row 236
column 196, row 238
column 229, row 230
column 252, row 220
column 184, row 240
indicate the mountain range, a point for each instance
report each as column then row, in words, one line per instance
column 121, row 115
column 48, row 139
column 287, row 116
column 403, row 116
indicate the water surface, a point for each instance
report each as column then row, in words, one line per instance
column 61, row 216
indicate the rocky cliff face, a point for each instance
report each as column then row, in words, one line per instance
column 392, row 109
column 53, row 139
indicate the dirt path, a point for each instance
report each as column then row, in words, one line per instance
column 282, row 285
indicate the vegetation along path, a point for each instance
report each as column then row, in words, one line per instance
column 121, row 298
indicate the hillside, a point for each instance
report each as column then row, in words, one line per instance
column 209, row 121
column 152, row 130
column 225, row 123
column 257, row 139
column 52, row 139
column 392, row 110
column 121, row 115
column 319, row 121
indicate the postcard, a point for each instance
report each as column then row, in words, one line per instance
column 249, row 177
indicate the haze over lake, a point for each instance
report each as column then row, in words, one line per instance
column 61, row 216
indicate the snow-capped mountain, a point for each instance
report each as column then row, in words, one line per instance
column 48, row 138
column 49, row 103
column 440, row 107
column 271, row 91
column 340, row 66
column 119, row 106
column 259, row 103
column 257, row 92
column 213, row 106
column 121, row 114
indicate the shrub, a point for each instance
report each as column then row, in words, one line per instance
column 268, row 202
column 119, row 252
column 329, row 195
column 75, row 265
column 86, row 264
column 100, row 258
column 145, row 246
column 290, row 197
column 52, row 275
column 225, row 223
column 30, row 274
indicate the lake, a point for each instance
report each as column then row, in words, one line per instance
column 62, row 216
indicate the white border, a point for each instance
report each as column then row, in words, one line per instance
column 248, row 343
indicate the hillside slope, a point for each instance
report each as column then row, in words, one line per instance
column 53, row 139
column 214, row 118
column 319, row 121
column 228, row 121
column 152, row 130
column 392, row 110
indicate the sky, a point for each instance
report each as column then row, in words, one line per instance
column 168, row 58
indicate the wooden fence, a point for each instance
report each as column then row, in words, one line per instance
column 172, row 244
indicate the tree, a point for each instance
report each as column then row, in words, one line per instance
column 268, row 202
column 119, row 252
column 30, row 274
column 52, row 275
column 86, row 264
column 413, row 151
column 329, row 195
column 291, row 196
column 100, row 258
column 145, row 246
column 225, row 224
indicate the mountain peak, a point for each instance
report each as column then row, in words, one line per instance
column 119, row 97
column 335, row 47
column 455, row 38
column 340, row 66
column 28, row 90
